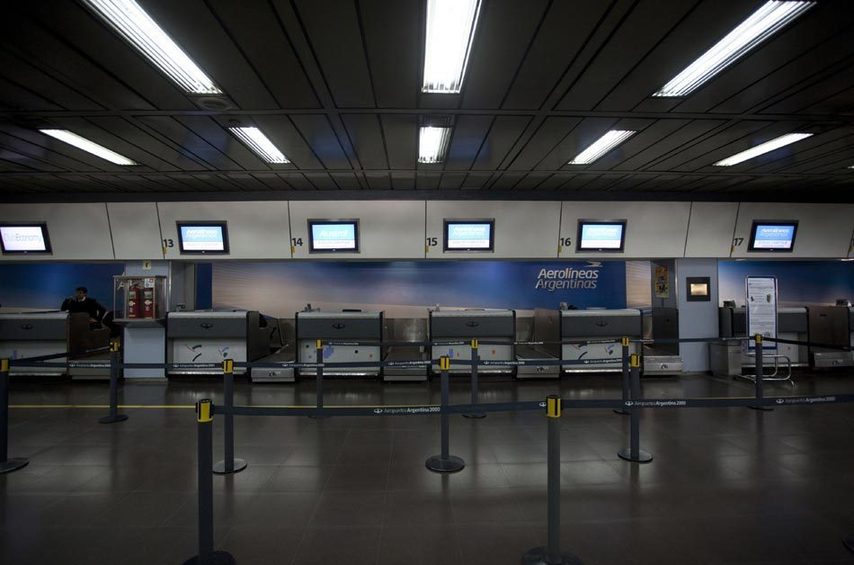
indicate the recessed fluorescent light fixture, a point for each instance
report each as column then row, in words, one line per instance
column 137, row 28
column 762, row 24
column 450, row 31
column 763, row 148
column 72, row 138
column 433, row 144
column 601, row 146
column 259, row 143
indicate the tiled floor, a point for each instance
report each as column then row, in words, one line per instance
column 726, row 486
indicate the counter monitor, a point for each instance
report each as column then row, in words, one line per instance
column 773, row 235
column 24, row 238
column 469, row 235
column 601, row 235
column 333, row 236
column 204, row 238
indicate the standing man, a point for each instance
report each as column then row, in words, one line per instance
column 82, row 303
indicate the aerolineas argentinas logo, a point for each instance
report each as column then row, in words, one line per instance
column 569, row 277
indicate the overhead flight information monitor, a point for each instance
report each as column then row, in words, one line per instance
column 204, row 238
column 601, row 235
column 469, row 235
column 24, row 238
column 333, row 236
column 773, row 235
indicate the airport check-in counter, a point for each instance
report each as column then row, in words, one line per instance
column 33, row 334
column 454, row 326
column 403, row 330
column 211, row 337
column 546, row 331
column 349, row 328
column 833, row 325
column 598, row 325
column 792, row 324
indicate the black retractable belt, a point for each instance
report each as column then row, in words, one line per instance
column 445, row 462
column 229, row 464
column 475, row 361
column 207, row 555
column 115, row 361
column 551, row 554
column 6, row 465
column 634, row 453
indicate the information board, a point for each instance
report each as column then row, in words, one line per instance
column 760, row 296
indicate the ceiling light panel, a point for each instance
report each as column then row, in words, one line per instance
column 255, row 139
column 140, row 30
column 450, row 30
column 72, row 138
column 762, row 24
column 601, row 146
column 433, row 144
column 763, row 148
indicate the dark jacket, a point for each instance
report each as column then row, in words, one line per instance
column 88, row 305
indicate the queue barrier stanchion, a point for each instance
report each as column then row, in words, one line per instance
column 445, row 462
column 6, row 465
column 229, row 464
column 634, row 453
column 475, row 360
column 759, row 375
column 624, row 342
column 551, row 553
column 207, row 555
column 115, row 360
column 318, row 383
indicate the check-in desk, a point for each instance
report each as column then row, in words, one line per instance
column 33, row 334
column 448, row 328
column 211, row 337
column 545, row 334
column 607, row 326
column 401, row 330
column 792, row 324
column 832, row 325
column 349, row 330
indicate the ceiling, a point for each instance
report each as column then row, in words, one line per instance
column 336, row 85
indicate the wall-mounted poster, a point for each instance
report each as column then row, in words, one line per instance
column 661, row 284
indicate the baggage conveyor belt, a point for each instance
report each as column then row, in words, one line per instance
column 275, row 375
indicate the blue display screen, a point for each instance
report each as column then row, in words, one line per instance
column 202, row 238
column 601, row 236
column 773, row 237
column 336, row 236
column 471, row 236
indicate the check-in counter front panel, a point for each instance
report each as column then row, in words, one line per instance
column 340, row 327
column 598, row 325
column 465, row 325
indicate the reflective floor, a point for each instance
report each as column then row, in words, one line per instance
column 726, row 486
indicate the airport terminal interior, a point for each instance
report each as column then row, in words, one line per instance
column 425, row 282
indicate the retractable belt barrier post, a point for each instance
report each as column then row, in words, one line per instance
column 625, row 347
column 115, row 361
column 6, row 465
column 551, row 554
column 207, row 555
column 759, row 375
column 634, row 453
column 444, row 462
column 318, row 384
column 229, row 464
column 475, row 360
